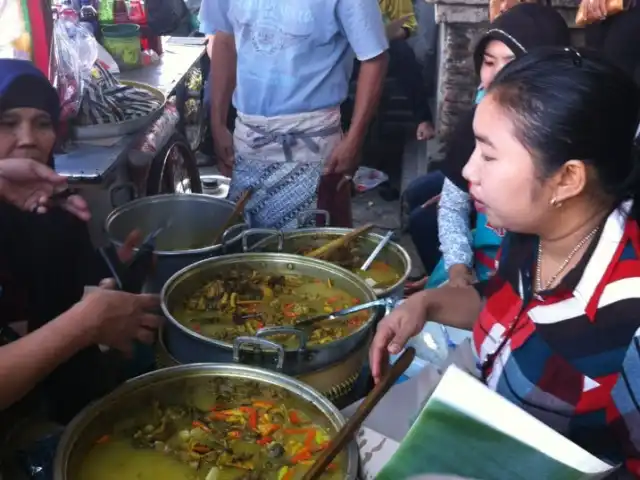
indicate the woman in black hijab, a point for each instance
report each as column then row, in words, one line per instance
column 523, row 27
column 45, row 260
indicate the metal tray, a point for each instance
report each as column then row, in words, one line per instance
column 108, row 130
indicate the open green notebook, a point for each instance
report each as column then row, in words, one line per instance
column 466, row 429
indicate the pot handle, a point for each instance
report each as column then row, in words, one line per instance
column 120, row 187
column 391, row 303
column 304, row 216
column 239, row 342
column 261, row 231
column 300, row 334
column 230, row 232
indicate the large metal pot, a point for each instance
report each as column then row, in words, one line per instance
column 191, row 220
column 169, row 385
column 394, row 255
column 187, row 346
column 334, row 382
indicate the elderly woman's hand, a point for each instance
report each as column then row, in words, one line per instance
column 29, row 185
column 118, row 318
column 74, row 204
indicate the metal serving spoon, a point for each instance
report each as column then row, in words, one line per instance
column 380, row 302
column 376, row 251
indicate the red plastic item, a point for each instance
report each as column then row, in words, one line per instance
column 41, row 21
column 69, row 13
column 149, row 41
column 137, row 12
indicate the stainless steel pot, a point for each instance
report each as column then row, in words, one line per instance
column 191, row 220
column 169, row 385
column 258, row 239
column 334, row 382
column 187, row 346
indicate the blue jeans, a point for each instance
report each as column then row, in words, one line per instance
column 423, row 222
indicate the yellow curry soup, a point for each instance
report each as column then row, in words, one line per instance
column 243, row 301
column 236, row 430
column 380, row 275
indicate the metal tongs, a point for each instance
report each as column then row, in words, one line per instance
column 131, row 276
column 389, row 303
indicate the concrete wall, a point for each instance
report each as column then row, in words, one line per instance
column 461, row 23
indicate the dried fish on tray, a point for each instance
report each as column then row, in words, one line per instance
column 112, row 108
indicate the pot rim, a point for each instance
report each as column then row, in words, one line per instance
column 165, row 197
column 399, row 249
column 265, row 257
column 306, row 392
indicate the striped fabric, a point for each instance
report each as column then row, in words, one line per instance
column 571, row 354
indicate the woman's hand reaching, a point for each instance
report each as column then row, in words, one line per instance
column 393, row 332
column 29, row 185
column 117, row 318
column 103, row 316
column 457, row 307
column 460, row 276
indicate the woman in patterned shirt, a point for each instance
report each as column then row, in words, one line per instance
column 556, row 330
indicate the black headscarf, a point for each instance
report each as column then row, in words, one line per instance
column 22, row 85
column 46, row 260
column 521, row 28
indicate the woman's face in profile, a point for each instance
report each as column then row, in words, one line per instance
column 502, row 174
column 26, row 133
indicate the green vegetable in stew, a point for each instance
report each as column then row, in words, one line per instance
column 243, row 301
column 245, row 431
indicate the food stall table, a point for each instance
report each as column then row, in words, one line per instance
column 102, row 169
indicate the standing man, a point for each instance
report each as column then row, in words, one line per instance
column 401, row 24
column 289, row 63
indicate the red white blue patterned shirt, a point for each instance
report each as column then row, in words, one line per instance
column 570, row 356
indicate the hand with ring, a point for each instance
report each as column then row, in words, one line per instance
column 597, row 9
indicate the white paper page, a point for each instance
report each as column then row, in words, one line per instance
column 393, row 415
column 464, row 393
column 375, row 450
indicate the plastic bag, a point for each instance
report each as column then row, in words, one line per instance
column 368, row 178
column 15, row 41
column 36, row 460
column 75, row 50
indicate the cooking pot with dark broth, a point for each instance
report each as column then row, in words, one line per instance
column 226, row 429
column 242, row 301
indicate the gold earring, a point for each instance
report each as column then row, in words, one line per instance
column 555, row 203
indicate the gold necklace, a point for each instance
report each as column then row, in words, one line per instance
column 576, row 249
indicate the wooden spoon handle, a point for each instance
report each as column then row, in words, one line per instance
column 328, row 248
column 237, row 211
column 353, row 424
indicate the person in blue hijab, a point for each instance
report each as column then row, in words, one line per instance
column 46, row 260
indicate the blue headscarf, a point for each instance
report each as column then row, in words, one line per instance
column 22, row 85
